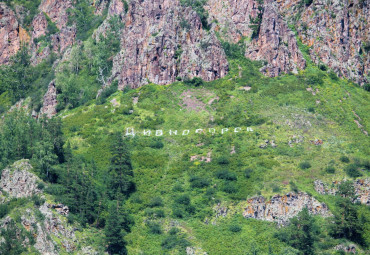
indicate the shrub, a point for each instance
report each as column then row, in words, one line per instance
column 198, row 182
column 330, row 169
column 196, row 82
column 156, row 144
column 230, row 188
column 226, row 175
column 248, row 172
column 353, row 171
column 293, row 187
column 155, row 202
column 223, row 160
column 275, row 188
column 154, row 228
column 235, row 228
column 304, row 165
column 333, row 76
column 344, row 159
column 183, row 200
column 177, row 213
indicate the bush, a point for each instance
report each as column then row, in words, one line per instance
column 344, row 159
column 330, row 169
column 293, row 187
column 230, row 188
column 177, row 213
column 198, row 182
column 154, row 228
column 196, row 82
column 235, row 228
column 155, row 202
column 275, row 188
column 183, row 200
column 156, row 144
column 226, row 175
column 248, row 173
column 154, row 213
column 353, row 171
column 223, row 160
column 304, row 165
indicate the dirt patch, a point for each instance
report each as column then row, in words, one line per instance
column 191, row 102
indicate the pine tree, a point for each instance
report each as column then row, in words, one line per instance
column 301, row 232
column 115, row 232
column 120, row 169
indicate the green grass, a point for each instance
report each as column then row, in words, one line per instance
column 287, row 109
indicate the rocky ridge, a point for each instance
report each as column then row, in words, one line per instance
column 280, row 208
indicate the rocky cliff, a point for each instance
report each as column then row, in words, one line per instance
column 336, row 32
column 46, row 222
column 281, row 208
column 163, row 40
column 9, row 33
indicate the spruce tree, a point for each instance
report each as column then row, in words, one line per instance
column 120, row 184
column 115, row 232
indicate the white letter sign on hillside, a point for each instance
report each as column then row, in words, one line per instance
column 130, row 132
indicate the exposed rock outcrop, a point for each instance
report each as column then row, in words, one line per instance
column 361, row 186
column 50, row 101
column 276, row 44
column 9, row 34
column 163, row 40
column 233, row 17
column 336, row 32
column 17, row 180
column 281, row 208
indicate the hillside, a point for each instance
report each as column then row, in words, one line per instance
column 184, row 127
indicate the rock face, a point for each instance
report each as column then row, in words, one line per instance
column 163, row 40
column 9, row 34
column 276, row 44
column 50, row 101
column 18, row 182
column 361, row 186
column 336, row 32
column 281, row 208
column 233, row 17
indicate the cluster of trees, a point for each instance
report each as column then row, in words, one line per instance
column 88, row 69
column 21, row 79
column 305, row 234
column 73, row 179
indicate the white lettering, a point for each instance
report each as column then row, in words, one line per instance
column 147, row 132
column 185, row 132
column 159, row 132
column 212, row 130
column 224, row 130
column 173, row 132
column 128, row 132
column 198, row 131
column 249, row 129
column 238, row 129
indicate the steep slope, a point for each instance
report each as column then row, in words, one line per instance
column 40, row 223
